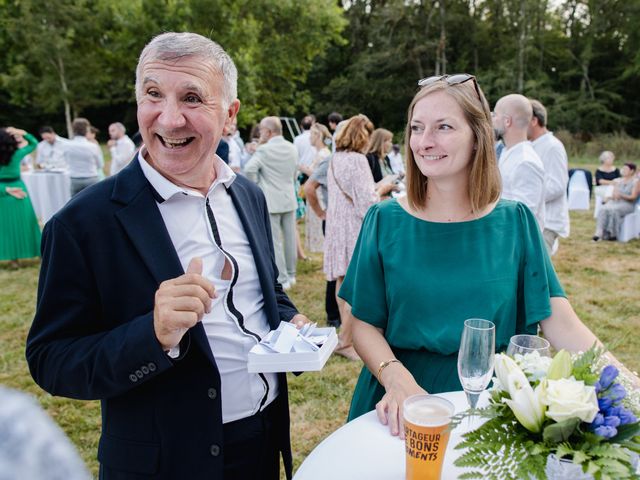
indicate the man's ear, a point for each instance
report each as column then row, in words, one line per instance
column 232, row 112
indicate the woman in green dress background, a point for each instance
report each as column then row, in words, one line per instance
column 19, row 229
column 448, row 251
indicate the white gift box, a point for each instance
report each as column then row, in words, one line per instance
column 301, row 357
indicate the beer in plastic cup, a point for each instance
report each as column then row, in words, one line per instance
column 426, row 422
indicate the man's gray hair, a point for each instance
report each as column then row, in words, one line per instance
column 119, row 126
column 172, row 46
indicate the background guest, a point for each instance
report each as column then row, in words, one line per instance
column 273, row 168
column 83, row 157
column 19, row 229
column 320, row 139
column 351, row 192
column 50, row 151
column 622, row 202
column 121, row 147
column 607, row 172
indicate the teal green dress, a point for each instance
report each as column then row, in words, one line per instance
column 19, row 230
column 420, row 280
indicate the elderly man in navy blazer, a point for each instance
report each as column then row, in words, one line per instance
column 156, row 283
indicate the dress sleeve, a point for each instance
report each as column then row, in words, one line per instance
column 364, row 284
column 537, row 279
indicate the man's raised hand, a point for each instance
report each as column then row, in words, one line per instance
column 180, row 303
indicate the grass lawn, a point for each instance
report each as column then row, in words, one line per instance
column 601, row 280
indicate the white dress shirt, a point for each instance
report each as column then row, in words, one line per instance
column 235, row 152
column 397, row 164
column 237, row 320
column 523, row 178
column 554, row 158
column 52, row 154
column 121, row 154
column 83, row 157
column 306, row 152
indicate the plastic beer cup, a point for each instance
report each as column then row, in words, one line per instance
column 426, row 422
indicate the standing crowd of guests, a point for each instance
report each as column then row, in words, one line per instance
column 80, row 156
column 204, row 247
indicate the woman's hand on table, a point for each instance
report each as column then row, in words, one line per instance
column 399, row 384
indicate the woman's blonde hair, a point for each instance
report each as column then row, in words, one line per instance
column 323, row 132
column 378, row 138
column 484, row 177
column 354, row 134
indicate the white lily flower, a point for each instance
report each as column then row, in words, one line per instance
column 524, row 401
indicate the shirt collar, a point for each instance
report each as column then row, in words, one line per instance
column 542, row 138
column 164, row 188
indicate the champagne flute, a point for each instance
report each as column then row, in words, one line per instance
column 476, row 357
column 523, row 344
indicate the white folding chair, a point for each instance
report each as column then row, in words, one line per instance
column 630, row 227
column 578, row 191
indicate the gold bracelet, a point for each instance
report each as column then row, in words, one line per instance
column 384, row 365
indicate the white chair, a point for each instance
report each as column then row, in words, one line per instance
column 630, row 227
column 578, row 191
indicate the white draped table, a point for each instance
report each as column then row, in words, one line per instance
column 363, row 448
column 49, row 191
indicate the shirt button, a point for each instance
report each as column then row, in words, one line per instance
column 133, row 378
column 144, row 369
column 152, row 366
column 213, row 393
column 214, row 450
column 139, row 374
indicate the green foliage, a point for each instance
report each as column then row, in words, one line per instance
column 583, row 366
column 561, row 431
column 83, row 54
column 501, row 449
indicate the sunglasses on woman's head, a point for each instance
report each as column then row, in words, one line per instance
column 455, row 79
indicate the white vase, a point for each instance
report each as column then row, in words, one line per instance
column 562, row 469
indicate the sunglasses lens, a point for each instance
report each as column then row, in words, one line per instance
column 460, row 78
column 429, row 80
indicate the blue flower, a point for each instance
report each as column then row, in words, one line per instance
column 626, row 416
column 606, row 432
column 612, row 421
column 599, row 420
column 608, row 375
column 605, row 403
column 616, row 392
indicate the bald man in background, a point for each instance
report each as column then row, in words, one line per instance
column 274, row 168
column 520, row 166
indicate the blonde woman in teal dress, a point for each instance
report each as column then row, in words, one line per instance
column 448, row 251
column 19, row 229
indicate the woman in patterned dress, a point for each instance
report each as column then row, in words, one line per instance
column 351, row 192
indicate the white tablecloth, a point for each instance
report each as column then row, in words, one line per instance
column 49, row 191
column 363, row 448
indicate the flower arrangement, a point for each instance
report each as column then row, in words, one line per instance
column 570, row 408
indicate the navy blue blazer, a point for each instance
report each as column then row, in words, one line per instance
column 103, row 257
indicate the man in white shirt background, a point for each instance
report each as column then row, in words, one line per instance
column 83, row 157
column 520, row 167
column 554, row 158
column 121, row 147
column 50, row 151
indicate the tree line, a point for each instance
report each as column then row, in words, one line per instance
column 581, row 58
